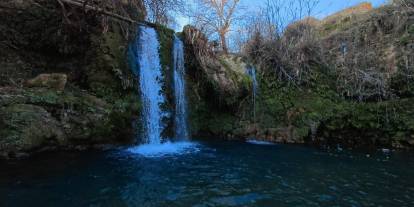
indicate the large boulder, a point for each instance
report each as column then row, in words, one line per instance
column 55, row 81
column 27, row 127
column 38, row 119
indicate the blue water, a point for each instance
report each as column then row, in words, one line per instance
column 211, row 174
column 181, row 126
column 146, row 65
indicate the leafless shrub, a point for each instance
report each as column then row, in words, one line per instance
column 163, row 11
column 362, row 58
column 405, row 3
column 288, row 53
column 76, row 12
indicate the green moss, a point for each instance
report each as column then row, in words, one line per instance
column 166, row 40
column 384, row 120
column 405, row 39
column 108, row 73
column 224, row 63
column 330, row 27
column 320, row 106
column 402, row 83
column 121, row 112
column 410, row 29
column 44, row 96
column 221, row 124
column 206, row 120
column 246, row 82
column 109, row 77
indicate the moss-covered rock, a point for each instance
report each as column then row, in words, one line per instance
column 218, row 87
column 224, row 75
column 318, row 115
column 100, row 101
column 166, row 40
column 27, row 127
column 37, row 119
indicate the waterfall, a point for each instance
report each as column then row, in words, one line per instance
column 181, row 127
column 251, row 71
column 146, row 65
column 148, row 70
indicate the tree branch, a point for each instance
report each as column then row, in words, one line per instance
column 83, row 4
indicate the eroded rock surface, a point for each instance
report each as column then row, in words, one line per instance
column 40, row 119
column 64, row 76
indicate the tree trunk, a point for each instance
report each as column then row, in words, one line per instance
column 224, row 43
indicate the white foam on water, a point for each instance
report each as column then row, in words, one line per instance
column 165, row 149
column 257, row 142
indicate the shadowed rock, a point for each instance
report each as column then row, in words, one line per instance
column 54, row 81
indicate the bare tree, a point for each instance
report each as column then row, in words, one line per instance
column 216, row 17
column 163, row 11
column 281, row 40
column 406, row 3
column 293, row 52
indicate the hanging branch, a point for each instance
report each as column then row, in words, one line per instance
column 83, row 4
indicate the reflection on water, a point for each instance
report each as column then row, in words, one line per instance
column 215, row 174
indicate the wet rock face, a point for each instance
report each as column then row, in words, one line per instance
column 221, row 70
column 217, row 85
column 64, row 79
column 39, row 119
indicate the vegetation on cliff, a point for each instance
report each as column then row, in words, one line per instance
column 97, row 104
column 341, row 80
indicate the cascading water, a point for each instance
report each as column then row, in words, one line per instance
column 251, row 71
column 150, row 77
column 146, row 66
column 181, row 127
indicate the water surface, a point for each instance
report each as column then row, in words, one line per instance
column 211, row 174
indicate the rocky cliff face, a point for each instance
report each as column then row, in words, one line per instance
column 218, row 87
column 354, row 86
column 92, row 101
column 65, row 81
column 225, row 72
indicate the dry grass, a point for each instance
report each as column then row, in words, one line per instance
column 346, row 13
column 363, row 47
